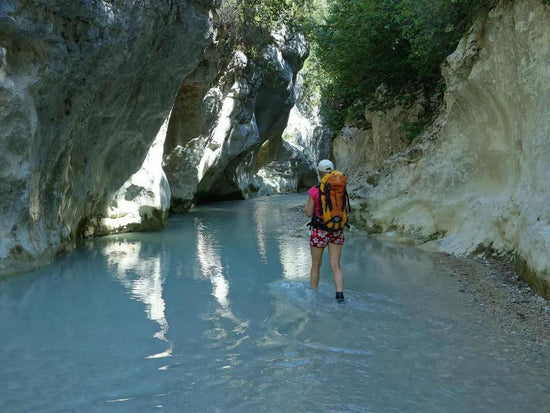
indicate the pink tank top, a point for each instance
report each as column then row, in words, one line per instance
column 314, row 193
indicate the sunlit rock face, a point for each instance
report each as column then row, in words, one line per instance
column 84, row 89
column 223, row 114
column 483, row 183
column 288, row 163
column 367, row 146
column 143, row 201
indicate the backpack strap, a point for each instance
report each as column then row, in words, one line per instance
column 346, row 202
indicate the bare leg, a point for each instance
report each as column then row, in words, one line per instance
column 334, row 254
column 316, row 259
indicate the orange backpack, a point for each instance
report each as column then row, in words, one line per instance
column 333, row 203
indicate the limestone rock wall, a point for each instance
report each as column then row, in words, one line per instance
column 367, row 147
column 223, row 115
column 143, row 202
column 482, row 184
column 84, row 89
column 288, row 163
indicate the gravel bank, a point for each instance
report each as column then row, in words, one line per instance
column 498, row 290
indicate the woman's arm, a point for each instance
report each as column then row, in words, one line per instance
column 310, row 205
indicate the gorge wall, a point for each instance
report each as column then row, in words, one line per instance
column 112, row 113
column 226, row 128
column 478, row 179
column 84, row 90
column 97, row 97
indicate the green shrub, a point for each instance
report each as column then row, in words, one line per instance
column 363, row 44
column 248, row 23
column 413, row 129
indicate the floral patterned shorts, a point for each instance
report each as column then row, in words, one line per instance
column 321, row 239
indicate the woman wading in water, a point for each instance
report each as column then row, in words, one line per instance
column 320, row 238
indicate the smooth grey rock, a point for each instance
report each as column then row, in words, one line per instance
column 84, row 88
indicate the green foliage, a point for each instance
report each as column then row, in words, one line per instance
column 436, row 235
column 363, row 44
column 266, row 14
column 248, row 23
column 365, row 53
column 414, row 129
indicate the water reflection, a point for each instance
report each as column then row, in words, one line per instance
column 402, row 265
column 288, row 222
column 211, row 265
column 208, row 254
column 295, row 258
column 144, row 278
column 405, row 340
column 260, row 218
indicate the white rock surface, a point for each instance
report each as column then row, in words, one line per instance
column 288, row 163
column 143, row 202
column 483, row 183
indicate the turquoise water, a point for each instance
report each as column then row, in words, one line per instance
column 215, row 314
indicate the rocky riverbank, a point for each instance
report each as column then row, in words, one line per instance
column 499, row 291
column 477, row 178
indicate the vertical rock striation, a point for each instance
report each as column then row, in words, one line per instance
column 84, row 89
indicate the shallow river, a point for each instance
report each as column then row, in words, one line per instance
column 215, row 314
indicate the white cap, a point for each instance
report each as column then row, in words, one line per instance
column 325, row 166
